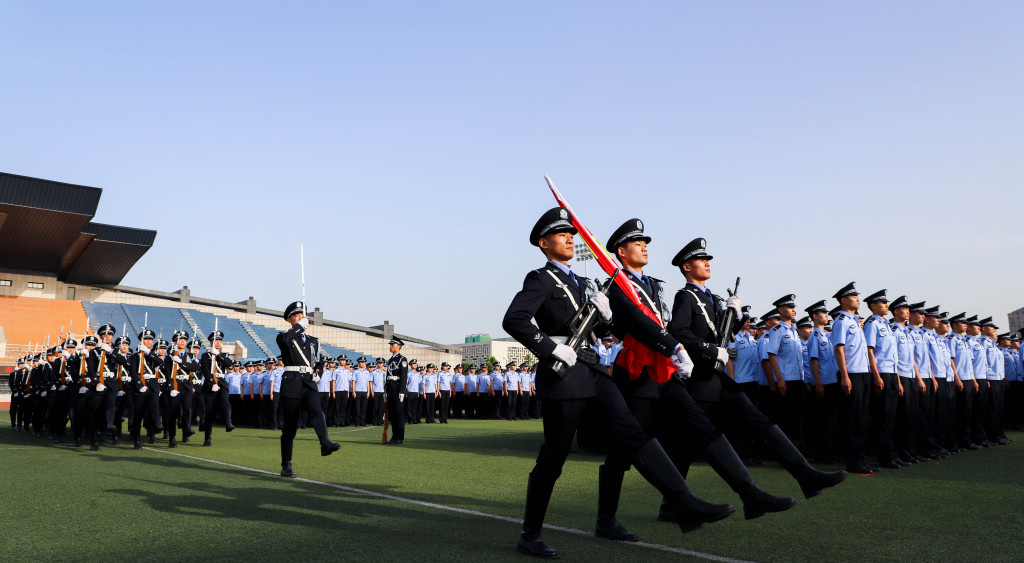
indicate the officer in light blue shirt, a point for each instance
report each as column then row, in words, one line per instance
column 607, row 350
column 769, row 321
column 445, row 378
column 459, row 393
column 804, row 327
column 963, row 359
column 786, row 357
column 949, row 387
column 910, row 382
column 851, row 353
column 499, row 393
column 414, row 384
column 997, row 384
column 377, row 376
column 825, row 400
column 267, row 419
column 429, row 386
column 363, row 389
column 513, row 385
column 342, row 392
column 883, row 354
column 979, row 359
column 744, row 363
column 234, row 381
column 275, row 377
column 474, row 398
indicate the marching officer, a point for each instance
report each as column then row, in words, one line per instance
column 214, row 366
column 301, row 354
column 550, row 296
column 142, row 368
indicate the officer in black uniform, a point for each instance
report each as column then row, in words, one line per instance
column 14, row 383
column 551, row 296
column 301, row 354
column 86, row 399
column 660, row 401
column 214, row 365
column 142, row 367
column 394, row 390
column 695, row 323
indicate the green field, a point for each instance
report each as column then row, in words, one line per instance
column 62, row 503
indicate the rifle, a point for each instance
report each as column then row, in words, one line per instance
column 581, row 325
column 725, row 329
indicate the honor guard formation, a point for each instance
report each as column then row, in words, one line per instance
column 676, row 377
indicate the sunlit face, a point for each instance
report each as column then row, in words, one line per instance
column 181, row 343
column 850, row 302
column 633, row 254
column 787, row 313
column 880, row 308
column 820, row 318
column 558, row 246
column 973, row 330
column 697, row 269
column 805, row 332
column 901, row 314
column 394, row 347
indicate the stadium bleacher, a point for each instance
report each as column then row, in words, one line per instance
column 29, row 320
column 169, row 319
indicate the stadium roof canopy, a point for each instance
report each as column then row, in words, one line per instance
column 46, row 227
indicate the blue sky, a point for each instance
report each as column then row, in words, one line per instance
column 405, row 143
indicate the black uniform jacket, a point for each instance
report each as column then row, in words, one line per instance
column 184, row 371
column 552, row 298
column 145, row 365
column 627, row 318
column 396, row 380
column 694, row 318
column 206, row 365
column 294, row 383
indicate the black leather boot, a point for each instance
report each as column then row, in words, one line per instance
column 730, row 467
column 812, row 482
column 609, row 487
column 286, row 470
column 538, row 494
column 691, row 512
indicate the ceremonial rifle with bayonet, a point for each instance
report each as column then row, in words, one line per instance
column 580, row 327
column 725, row 327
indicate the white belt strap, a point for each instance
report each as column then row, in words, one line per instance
column 300, row 369
column 565, row 288
column 704, row 311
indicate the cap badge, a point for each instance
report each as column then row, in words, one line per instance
column 563, row 214
column 639, row 224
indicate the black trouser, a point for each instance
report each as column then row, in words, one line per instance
column 235, row 402
column 172, row 413
column 144, row 410
column 124, row 409
column 996, row 404
column 396, row 412
column 378, row 408
column 86, row 407
column 561, row 418
column 41, row 407
column 458, row 400
column 926, row 432
column 446, row 403
column 59, row 409
column 941, row 429
column 511, row 404
column 341, row 408
column 980, row 413
column 907, row 419
column 964, row 409
column 217, row 403
column 360, row 409
column 824, row 414
column 277, row 420
column 884, row 408
column 185, row 411
column 428, row 403
column 412, row 408
column 853, row 419
column 15, row 402
column 325, row 401
column 789, row 408
column 1013, row 404
column 499, row 402
column 309, row 401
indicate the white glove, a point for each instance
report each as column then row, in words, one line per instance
column 15, row 395
column 144, row 389
column 401, row 397
column 215, row 387
column 120, row 393
column 316, row 379
column 106, row 347
column 53, row 388
column 723, row 355
column 101, row 387
column 83, row 390
column 66, row 354
column 600, row 301
column 143, row 348
column 176, row 358
column 304, row 322
column 43, row 394
column 684, row 365
column 214, row 352
column 565, row 354
column 734, row 304
column 62, row 387
column 174, row 392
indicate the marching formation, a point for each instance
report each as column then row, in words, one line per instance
column 674, row 382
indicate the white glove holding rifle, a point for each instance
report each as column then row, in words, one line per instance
column 733, row 303
column 604, row 308
column 565, row 354
column 684, row 365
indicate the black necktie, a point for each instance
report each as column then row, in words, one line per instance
column 646, row 282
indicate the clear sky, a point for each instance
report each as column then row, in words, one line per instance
column 405, row 143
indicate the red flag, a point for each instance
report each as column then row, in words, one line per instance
column 635, row 356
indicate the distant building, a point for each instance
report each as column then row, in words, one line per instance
column 1016, row 319
column 479, row 347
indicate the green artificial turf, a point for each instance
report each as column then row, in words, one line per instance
column 63, row 503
